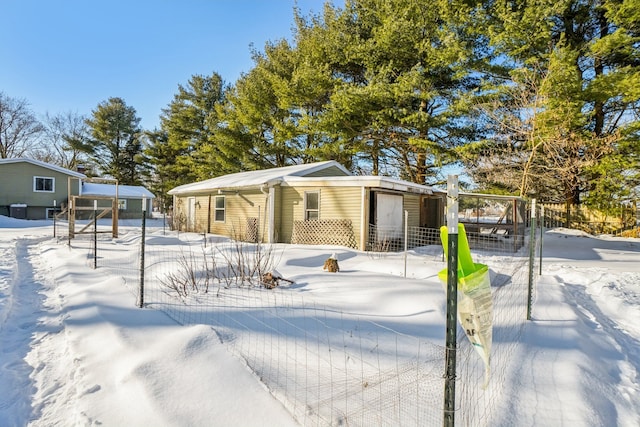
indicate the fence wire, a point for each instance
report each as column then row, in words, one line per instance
column 329, row 367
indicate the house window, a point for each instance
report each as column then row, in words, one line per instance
column 311, row 205
column 122, row 204
column 43, row 184
column 219, row 211
column 51, row 212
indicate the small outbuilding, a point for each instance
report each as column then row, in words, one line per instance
column 129, row 197
column 315, row 203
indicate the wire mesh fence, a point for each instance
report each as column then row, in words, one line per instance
column 389, row 239
column 328, row 365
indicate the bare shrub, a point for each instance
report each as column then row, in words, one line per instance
column 240, row 264
column 195, row 274
column 247, row 262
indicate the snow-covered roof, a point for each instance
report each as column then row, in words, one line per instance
column 109, row 190
column 359, row 181
column 257, row 178
column 44, row 165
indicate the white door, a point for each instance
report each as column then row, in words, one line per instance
column 191, row 214
column 389, row 215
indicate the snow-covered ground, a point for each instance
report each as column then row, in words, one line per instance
column 74, row 350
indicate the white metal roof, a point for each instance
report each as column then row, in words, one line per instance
column 256, row 178
column 359, row 181
column 109, row 190
column 44, row 165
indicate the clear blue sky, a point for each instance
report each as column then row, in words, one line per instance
column 70, row 55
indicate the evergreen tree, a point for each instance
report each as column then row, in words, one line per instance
column 581, row 58
column 617, row 87
column 382, row 87
column 184, row 150
column 260, row 114
column 161, row 162
column 403, row 74
column 114, row 144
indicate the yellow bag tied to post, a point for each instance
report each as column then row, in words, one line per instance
column 475, row 307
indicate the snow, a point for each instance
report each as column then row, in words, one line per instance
column 256, row 178
column 109, row 190
column 43, row 165
column 74, row 349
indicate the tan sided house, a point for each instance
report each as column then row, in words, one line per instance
column 31, row 189
column 316, row 203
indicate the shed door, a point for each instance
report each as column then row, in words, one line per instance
column 389, row 215
column 431, row 212
column 191, row 214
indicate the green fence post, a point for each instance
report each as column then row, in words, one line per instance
column 95, row 234
column 144, row 219
column 452, row 302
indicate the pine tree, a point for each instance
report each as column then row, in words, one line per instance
column 577, row 135
column 115, row 142
column 403, row 76
column 260, row 113
column 184, row 151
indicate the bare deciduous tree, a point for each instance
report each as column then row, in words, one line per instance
column 539, row 147
column 18, row 127
column 60, row 143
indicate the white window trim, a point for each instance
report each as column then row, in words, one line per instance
column 306, row 210
column 53, row 184
column 216, row 209
column 52, row 211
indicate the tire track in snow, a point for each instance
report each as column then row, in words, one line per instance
column 22, row 305
column 58, row 371
column 620, row 347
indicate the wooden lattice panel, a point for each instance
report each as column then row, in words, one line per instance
column 324, row 232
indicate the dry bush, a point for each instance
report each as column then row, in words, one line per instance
column 194, row 274
column 239, row 264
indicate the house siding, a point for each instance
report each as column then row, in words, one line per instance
column 238, row 209
column 342, row 197
column 133, row 211
column 335, row 203
column 201, row 213
column 411, row 204
column 277, row 213
column 16, row 186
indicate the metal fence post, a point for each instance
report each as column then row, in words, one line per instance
column 541, row 237
column 452, row 302
column 144, row 219
column 532, row 249
column 95, row 234
column 54, row 219
column 71, row 212
column 406, row 235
